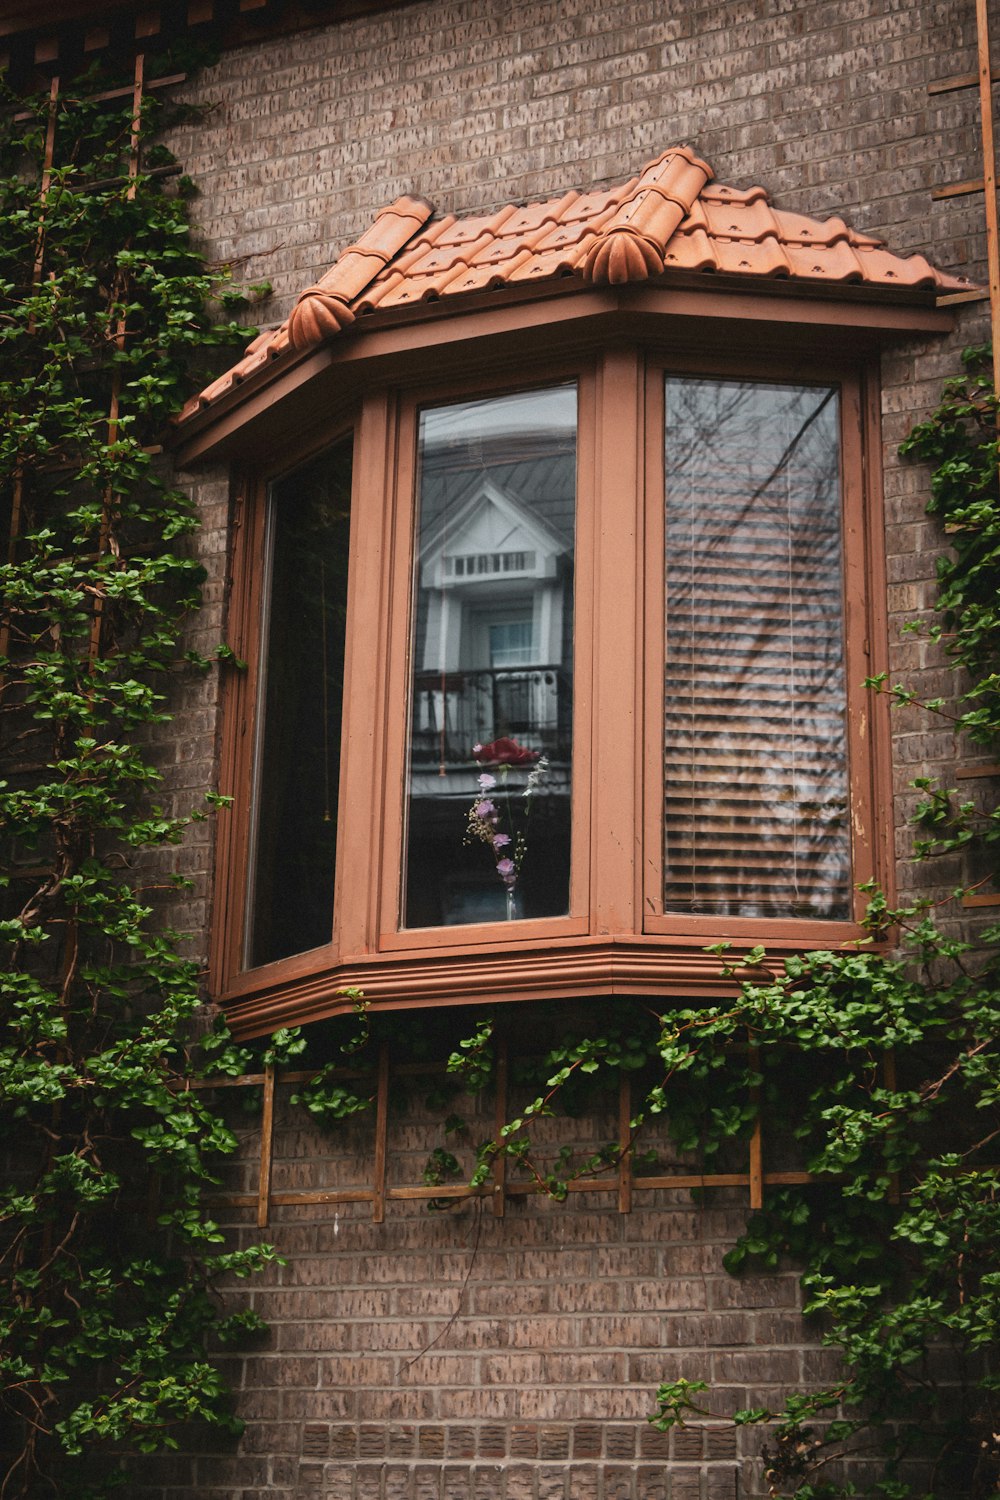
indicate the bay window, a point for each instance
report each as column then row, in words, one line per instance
column 556, row 564
column 552, row 684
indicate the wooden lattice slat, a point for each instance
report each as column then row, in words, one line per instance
column 266, row 1148
column 623, row 1184
column 756, row 1174
column 624, row 1143
column 499, row 1120
column 381, row 1134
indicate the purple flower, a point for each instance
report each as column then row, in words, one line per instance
column 484, row 809
column 505, row 869
column 500, row 840
column 486, row 781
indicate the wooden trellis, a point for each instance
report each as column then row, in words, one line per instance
column 983, row 79
column 622, row 1182
column 136, row 90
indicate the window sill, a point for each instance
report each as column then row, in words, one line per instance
column 677, row 970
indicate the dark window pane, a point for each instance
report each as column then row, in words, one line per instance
column 488, row 822
column 755, row 770
column 302, row 692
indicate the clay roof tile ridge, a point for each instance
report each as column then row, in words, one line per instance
column 671, row 217
column 631, row 247
column 324, row 309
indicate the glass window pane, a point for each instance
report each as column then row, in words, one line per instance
column 491, row 711
column 755, row 769
column 302, row 693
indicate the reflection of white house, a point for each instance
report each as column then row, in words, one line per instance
column 490, row 579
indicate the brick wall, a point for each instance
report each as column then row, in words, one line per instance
column 458, row 1355
column 476, row 103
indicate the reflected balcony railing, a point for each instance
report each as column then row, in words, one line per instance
column 455, row 710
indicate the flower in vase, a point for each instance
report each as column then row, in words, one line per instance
column 486, row 816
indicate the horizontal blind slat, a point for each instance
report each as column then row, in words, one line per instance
column 755, row 787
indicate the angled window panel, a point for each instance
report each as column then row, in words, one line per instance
column 301, row 693
column 755, row 751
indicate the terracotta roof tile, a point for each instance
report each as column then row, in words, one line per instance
column 724, row 219
column 546, row 263
column 534, row 215
column 557, row 236
column 880, row 265
column 452, row 231
column 591, row 207
column 437, row 260
column 487, row 277
column 694, row 252
column 670, row 219
column 749, row 257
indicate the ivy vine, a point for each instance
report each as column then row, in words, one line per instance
column 109, row 1257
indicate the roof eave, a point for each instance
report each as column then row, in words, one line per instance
column 881, row 313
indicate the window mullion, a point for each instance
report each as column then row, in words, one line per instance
column 615, row 726
column 370, row 624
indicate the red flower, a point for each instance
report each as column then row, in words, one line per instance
column 504, row 752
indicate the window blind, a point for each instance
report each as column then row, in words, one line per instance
column 755, row 762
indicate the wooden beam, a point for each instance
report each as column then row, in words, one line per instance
column 957, row 81
column 148, row 23
column 950, row 298
column 958, row 189
column 266, row 1149
column 973, row 772
column 625, row 1143
column 381, row 1133
column 499, row 1166
column 120, row 93
column 756, row 1174
column 458, row 1190
column 727, row 1179
column 989, row 180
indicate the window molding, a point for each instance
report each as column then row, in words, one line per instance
column 391, row 936
column 865, row 637
column 605, row 947
column 288, row 394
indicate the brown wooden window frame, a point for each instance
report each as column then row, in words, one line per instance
column 616, row 938
column 864, row 628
